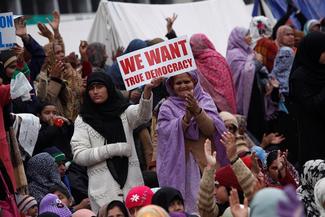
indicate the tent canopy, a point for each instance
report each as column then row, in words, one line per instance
column 116, row 24
column 312, row 9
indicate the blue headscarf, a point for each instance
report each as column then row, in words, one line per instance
column 282, row 67
column 309, row 24
column 281, row 71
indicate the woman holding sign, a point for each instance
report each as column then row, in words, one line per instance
column 186, row 119
column 103, row 139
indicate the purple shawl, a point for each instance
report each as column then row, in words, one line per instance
column 174, row 169
column 240, row 59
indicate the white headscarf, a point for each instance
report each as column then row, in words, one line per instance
column 260, row 27
column 319, row 192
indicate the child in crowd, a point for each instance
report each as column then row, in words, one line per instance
column 170, row 199
column 137, row 198
column 60, row 160
column 27, row 205
column 67, row 199
column 51, row 203
column 55, row 130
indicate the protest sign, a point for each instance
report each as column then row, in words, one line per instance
column 165, row 59
column 7, row 31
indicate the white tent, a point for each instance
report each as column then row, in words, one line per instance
column 116, row 24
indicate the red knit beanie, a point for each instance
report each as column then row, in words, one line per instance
column 225, row 176
column 138, row 196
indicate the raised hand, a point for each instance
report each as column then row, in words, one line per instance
column 57, row 69
column 20, row 25
column 192, row 104
column 170, row 22
column 45, row 32
column 18, row 50
column 148, row 87
column 63, row 118
column 83, row 50
column 255, row 166
column 277, row 139
column 229, row 141
column 282, row 162
column 236, row 209
column 272, row 138
column 119, row 51
column 187, row 117
column 135, row 95
column 56, row 21
column 209, row 156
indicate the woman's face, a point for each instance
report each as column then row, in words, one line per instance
column 63, row 198
column 220, row 193
column 288, row 38
column 273, row 170
column 183, row 85
column 33, row 211
column 322, row 58
column 314, row 28
column 231, row 128
column 115, row 212
column 98, row 93
column 11, row 68
column 59, row 53
column 176, row 206
column 48, row 113
column 248, row 39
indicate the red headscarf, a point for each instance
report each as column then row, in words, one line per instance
column 214, row 73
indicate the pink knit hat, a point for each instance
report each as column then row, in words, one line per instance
column 51, row 203
column 83, row 213
column 25, row 202
column 138, row 196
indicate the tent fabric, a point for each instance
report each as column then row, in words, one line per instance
column 116, row 23
column 312, row 9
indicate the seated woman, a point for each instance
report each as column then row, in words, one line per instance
column 279, row 172
column 185, row 120
column 170, row 199
column 103, row 140
column 114, row 209
column 42, row 174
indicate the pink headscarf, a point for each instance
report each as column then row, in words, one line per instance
column 83, row 213
column 214, row 73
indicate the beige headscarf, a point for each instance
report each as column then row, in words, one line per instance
column 152, row 211
column 282, row 31
column 227, row 117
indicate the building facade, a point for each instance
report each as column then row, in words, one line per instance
column 32, row 7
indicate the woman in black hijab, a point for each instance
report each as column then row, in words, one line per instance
column 307, row 93
column 103, row 139
column 114, row 208
column 170, row 199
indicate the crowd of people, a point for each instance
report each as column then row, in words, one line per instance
column 239, row 136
